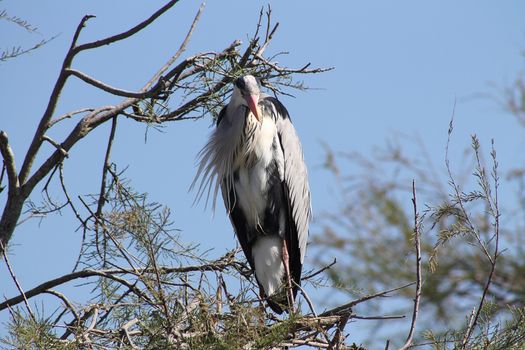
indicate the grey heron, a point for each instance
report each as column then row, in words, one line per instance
column 255, row 157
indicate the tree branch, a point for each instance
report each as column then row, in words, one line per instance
column 66, row 301
column 56, row 145
column 417, row 244
column 492, row 259
column 50, row 109
column 218, row 265
column 179, row 52
column 324, row 268
column 9, row 163
column 105, row 169
column 15, row 280
column 126, row 34
column 345, row 307
column 114, row 91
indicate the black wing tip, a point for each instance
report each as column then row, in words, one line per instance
column 279, row 302
column 276, row 307
column 280, row 108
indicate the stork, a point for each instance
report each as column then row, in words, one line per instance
column 254, row 156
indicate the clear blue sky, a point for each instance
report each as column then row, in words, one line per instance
column 399, row 67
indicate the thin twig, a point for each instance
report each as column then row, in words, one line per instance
column 154, row 91
column 69, row 115
column 102, row 193
column 417, row 244
column 127, row 33
column 75, row 323
column 345, row 307
column 181, row 49
column 313, row 274
column 496, row 214
column 56, row 145
column 307, row 298
column 15, row 280
column 66, row 301
column 387, row 317
column 51, row 106
column 217, row 265
column 457, row 192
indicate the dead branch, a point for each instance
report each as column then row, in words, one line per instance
column 345, row 307
column 65, row 300
column 417, row 244
column 126, row 34
column 17, row 284
column 218, row 265
column 321, row 270
column 154, row 91
column 105, row 167
column 9, row 163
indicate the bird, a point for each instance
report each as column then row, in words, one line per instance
column 255, row 157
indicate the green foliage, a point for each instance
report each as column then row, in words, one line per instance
column 27, row 333
column 501, row 335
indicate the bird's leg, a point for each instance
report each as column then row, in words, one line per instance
column 286, row 261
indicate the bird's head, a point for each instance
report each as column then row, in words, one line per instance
column 248, row 88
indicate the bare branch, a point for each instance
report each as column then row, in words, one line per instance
column 417, row 244
column 126, row 34
column 53, row 100
column 313, row 274
column 15, row 280
column 66, row 301
column 84, row 126
column 70, row 114
column 105, row 169
column 307, row 298
column 112, row 90
column 50, row 109
column 387, row 317
column 56, row 145
column 177, row 70
column 80, row 26
column 345, row 307
column 218, row 265
column 9, row 162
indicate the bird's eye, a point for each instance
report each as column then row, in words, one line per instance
column 240, row 83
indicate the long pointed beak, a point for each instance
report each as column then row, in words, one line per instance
column 252, row 101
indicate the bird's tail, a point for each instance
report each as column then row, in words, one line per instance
column 278, row 301
column 270, row 272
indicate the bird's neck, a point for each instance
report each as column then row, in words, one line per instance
column 236, row 101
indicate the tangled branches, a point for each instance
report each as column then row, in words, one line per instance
column 152, row 291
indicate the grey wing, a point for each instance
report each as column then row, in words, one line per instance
column 295, row 179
